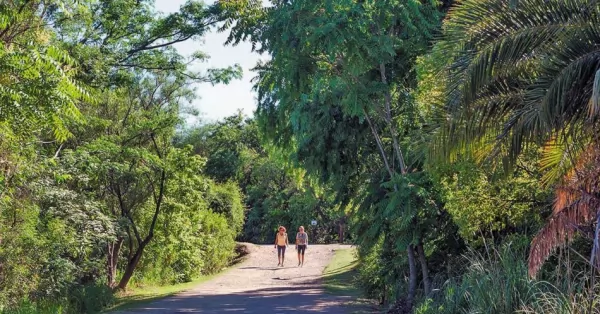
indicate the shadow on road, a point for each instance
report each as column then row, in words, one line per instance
column 262, row 268
column 298, row 299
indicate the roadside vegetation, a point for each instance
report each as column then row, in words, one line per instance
column 340, row 279
column 340, row 273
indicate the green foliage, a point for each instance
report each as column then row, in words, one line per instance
column 493, row 283
column 527, row 76
column 496, row 281
column 372, row 273
column 403, row 133
column 37, row 87
column 226, row 199
column 91, row 298
column 361, row 121
column 90, row 95
column 403, row 214
column 313, row 98
column 483, row 201
column 337, row 95
column 275, row 191
column 229, row 146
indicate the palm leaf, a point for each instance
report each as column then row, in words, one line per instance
column 543, row 51
column 576, row 204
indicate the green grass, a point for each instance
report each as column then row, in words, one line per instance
column 137, row 296
column 338, row 280
column 338, row 277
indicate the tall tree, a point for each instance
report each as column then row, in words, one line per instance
column 336, row 86
column 125, row 49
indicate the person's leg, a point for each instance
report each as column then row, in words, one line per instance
column 299, row 249
column 279, row 255
column 303, row 250
column 282, row 255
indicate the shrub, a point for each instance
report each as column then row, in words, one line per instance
column 227, row 199
column 497, row 282
column 91, row 298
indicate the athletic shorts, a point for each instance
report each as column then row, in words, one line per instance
column 280, row 250
column 301, row 249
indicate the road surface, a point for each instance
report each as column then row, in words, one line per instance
column 258, row 286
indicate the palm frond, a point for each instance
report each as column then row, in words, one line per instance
column 594, row 107
column 576, row 204
column 542, row 51
column 559, row 156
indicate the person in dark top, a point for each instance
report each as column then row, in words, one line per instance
column 301, row 244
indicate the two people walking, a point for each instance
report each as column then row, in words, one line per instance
column 281, row 243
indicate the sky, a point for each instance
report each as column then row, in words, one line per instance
column 219, row 101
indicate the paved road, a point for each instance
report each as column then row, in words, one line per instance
column 258, row 286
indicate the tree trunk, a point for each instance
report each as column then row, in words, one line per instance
column 131, row 266
column 424, row 269
column 379, row 144
column 341, row 231
column 390, row 123
column 412, row 283
column 112, row 259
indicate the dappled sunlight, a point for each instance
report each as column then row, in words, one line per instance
column 253, row 287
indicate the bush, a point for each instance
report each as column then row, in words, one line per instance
column 227, row 199
column 217, row 243
column 28, row 307
column 200, row 242
column 91, row 298
column 370, row 271
column 497, row 282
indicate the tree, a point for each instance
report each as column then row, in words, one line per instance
column 485, row 202
column 230, row 146
column 126, row 52
column 91, row 93
column 528, row 77
column 337, row 85
column 114, row 37
column 276, row 192
column 38, row 97
column 37, row 86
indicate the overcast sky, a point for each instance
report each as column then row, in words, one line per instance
column 216, row 102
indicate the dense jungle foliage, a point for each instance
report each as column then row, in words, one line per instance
column 454, row 142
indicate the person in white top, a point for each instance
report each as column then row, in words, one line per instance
column 281, row 242
column 301, row 244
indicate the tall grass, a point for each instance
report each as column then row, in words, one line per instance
column 496, row 282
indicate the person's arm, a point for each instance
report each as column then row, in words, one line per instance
column 286, row 240
column 276, row 240
column 306, row 239
column 297, row 239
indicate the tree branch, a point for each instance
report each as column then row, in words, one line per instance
column 388, row 118
column 379, row 144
